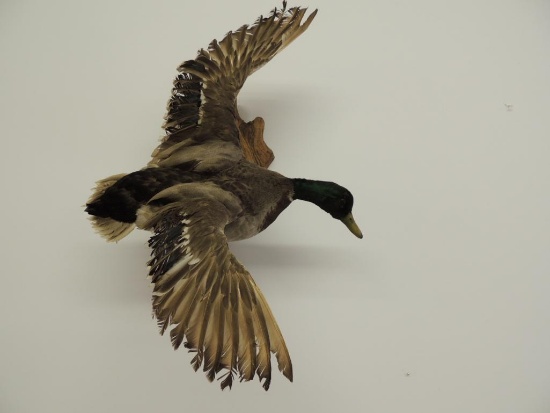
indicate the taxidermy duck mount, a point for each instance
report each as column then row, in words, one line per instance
column 206, row 184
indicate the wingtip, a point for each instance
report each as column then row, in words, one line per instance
column 289, row 375
column 310, row 18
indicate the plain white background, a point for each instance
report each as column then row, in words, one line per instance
column 442, row 307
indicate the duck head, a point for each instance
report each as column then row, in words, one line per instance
column 331, row 198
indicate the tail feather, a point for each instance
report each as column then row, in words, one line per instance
column 108, row 228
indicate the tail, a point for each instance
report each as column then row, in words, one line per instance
column 110, row 229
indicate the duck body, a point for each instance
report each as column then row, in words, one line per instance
column 255, row 195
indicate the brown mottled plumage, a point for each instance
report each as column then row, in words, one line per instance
column 203, row 188
column 210, row 128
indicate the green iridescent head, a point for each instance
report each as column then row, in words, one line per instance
column 330, row 197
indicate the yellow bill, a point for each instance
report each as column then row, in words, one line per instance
column 352, row 226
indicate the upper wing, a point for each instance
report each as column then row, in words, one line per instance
column 208, row 298
column 202, row 112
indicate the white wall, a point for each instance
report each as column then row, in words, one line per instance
column 442, row 307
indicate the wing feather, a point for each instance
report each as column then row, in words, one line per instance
column 277, row 346
column 213, row 352
column 207, row 299
column 264, row 352
column 204, row 93
column 247, row 343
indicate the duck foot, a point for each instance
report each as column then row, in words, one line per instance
column 251, row 135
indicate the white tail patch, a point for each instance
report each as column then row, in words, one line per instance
column 110, row 229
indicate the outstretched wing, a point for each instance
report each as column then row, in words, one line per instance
column 207, row 299
column 202, row 112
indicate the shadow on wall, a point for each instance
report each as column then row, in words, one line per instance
column 290, row 256
column 117, row 272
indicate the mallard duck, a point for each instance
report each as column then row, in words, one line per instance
column 207, row 184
